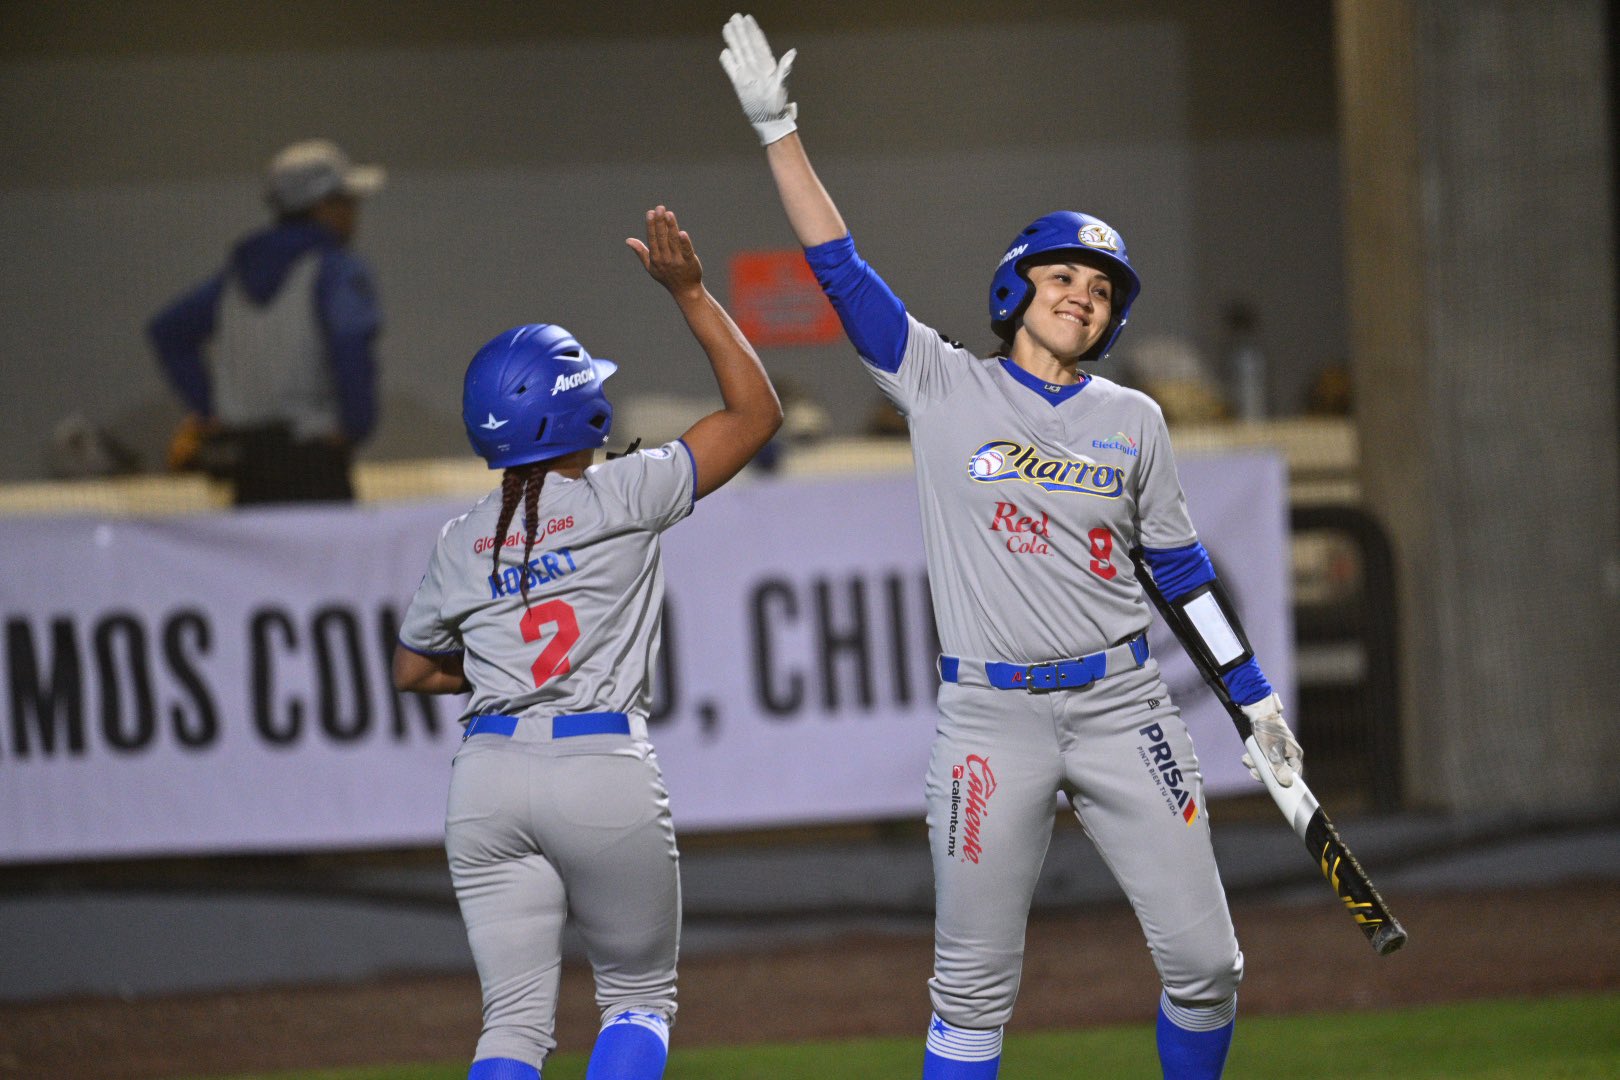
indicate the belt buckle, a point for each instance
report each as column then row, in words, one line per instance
column 1048, row 684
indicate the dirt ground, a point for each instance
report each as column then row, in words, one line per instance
column 1082, row 968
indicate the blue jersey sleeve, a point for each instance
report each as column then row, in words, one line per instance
column 873, row 317
column 178, row 332
column 1177, row 572
column 350, row 320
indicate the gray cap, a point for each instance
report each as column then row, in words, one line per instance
column 306, row 172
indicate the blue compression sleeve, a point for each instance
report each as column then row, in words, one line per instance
column 1177, row 572
column 873, row 317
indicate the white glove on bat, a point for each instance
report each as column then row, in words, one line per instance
column 759, row 78
column 1276, row 741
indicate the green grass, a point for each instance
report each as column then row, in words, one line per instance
column 1567, row 1038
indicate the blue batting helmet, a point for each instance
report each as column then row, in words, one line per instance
column 1066, row 230
column 534, row 393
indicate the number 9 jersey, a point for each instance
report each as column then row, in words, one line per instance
column 586, row 638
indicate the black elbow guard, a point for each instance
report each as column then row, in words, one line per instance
column 1207, row 623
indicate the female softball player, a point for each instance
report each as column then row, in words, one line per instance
column 556, row 802
column 1036, row 480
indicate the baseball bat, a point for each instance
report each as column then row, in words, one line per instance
column 1305, row 815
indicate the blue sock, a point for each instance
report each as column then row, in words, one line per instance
column 632, row 1045
column 502, row 1069
column 1193, row 1041
column 955, row 1053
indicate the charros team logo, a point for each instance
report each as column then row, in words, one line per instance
column 1099, row 236
column 1005, row 459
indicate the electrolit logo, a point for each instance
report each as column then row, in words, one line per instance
column 1119, row 441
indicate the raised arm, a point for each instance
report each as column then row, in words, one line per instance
column 761, row 84
column 724, row 441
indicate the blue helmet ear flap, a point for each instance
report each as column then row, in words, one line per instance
column 533, row 393
column 1065, row 230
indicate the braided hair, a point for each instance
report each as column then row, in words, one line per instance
column 520, row 483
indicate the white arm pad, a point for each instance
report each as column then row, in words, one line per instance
column 1213, row 627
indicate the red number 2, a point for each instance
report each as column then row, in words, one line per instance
column 1102, row 546
column 553, row 659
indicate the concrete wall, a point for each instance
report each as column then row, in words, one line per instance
column 525, row 140
column 1482, row 279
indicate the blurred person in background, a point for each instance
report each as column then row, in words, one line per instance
column 273, row 354
column 557, row 806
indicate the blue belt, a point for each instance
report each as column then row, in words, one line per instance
column 562, row 727
column 1052, row 675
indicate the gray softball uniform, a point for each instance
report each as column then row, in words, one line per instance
column 1032, row 496
column 557, row 806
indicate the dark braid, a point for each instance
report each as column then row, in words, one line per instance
column 521, row 482
column 531, row 522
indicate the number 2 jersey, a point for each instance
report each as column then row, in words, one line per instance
column 587, row 638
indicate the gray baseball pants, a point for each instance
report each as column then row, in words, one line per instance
column 1122, row 754
column 539, row 831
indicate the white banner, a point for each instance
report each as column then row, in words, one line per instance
column 221, row 683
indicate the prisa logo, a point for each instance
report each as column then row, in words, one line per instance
column 1012, row 253
column 1007, row 460
column 1161, row 761
column 1028, row 535
column 981, row 784
column 568, row 382
column 1119, row 441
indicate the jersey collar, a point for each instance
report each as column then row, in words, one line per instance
column 1052, row 393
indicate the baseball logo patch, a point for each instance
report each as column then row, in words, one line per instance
column 988, row 462
column 1099, row 236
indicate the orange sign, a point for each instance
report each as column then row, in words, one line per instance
column 776, row 301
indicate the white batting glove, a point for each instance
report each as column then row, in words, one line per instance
column 759, row 78
column 1275, row 739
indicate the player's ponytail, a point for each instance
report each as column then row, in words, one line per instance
column 520, row 483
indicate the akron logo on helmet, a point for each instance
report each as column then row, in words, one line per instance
column 1099, row 236
column 568, row 382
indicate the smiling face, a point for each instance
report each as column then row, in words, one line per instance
column 1069, row 310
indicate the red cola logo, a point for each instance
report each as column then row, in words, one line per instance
column 1026, row 535
column 981, row 784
